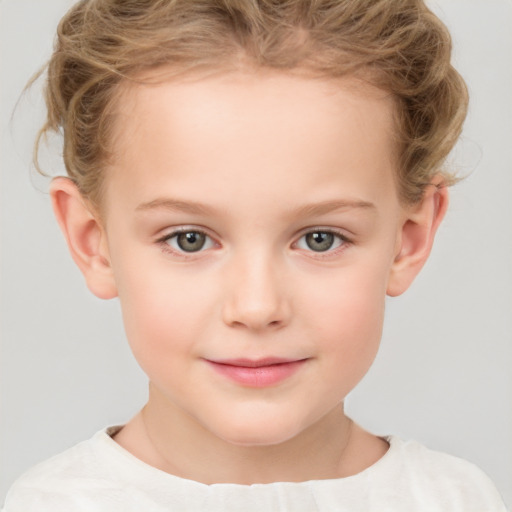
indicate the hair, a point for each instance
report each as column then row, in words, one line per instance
column 399, row 46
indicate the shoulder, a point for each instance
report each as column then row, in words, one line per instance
column 437, row 476
column 432, row 464
column 56, row 483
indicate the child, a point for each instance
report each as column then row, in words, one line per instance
column 251, row 179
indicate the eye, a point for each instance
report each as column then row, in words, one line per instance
column 189, row 241
column 321, row 241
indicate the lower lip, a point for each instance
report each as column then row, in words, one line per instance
column 258, row 377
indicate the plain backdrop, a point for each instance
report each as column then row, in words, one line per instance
column 443, row 373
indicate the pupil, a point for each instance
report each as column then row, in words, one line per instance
column 191, row 241
column 320, row 241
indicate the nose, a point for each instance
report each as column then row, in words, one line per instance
column 256, row 296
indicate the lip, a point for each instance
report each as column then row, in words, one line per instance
column 257, row 373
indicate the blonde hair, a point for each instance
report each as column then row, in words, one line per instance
column 398, row 45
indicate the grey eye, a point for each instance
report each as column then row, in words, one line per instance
column 320, row 241
column 190, row 241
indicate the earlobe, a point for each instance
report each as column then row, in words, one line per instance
column 417, row 236
column 84, row 235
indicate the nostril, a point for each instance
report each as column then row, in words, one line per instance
column 255, row 301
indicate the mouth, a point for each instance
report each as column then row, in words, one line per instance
column 257, row 373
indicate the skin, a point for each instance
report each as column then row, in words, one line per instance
column 268, row 158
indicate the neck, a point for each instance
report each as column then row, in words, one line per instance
column 172, row 441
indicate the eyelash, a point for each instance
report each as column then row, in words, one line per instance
column 344, row 242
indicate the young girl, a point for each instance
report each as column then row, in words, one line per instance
column 251, row 179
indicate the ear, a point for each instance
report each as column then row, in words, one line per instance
column 418, row 229
column 85, row 236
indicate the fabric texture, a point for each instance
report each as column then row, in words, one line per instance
column 99, row 475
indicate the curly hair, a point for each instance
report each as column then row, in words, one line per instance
column 399, row 46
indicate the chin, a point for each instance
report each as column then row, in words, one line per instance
column 266, row 432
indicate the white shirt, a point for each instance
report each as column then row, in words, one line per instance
column 99, row 475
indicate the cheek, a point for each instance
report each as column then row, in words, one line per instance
column 350, row 298
column 162, row 315
column 349, row 320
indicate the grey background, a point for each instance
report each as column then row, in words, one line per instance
column 443, row 373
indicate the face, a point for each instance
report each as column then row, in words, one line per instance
column 252, row 221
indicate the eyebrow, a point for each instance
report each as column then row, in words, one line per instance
column 176, row 205
column 324, row 207
column 309, row 210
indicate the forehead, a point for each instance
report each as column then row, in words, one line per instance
column 254, row 126
column 267, row 93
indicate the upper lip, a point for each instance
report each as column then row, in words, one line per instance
column 255, row 363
